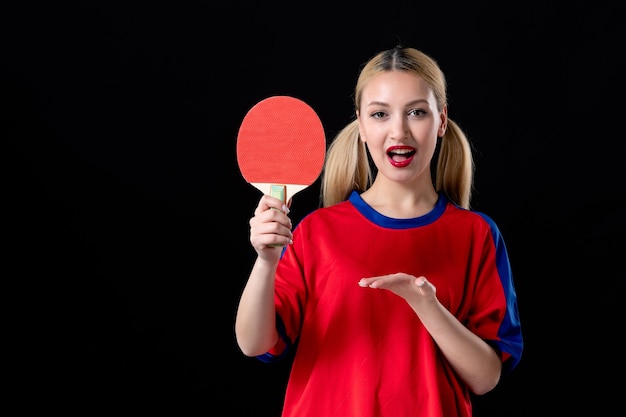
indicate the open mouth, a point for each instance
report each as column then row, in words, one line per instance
column 400, row 157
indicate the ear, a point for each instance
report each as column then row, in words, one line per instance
column 443, row 122
column 358, row 118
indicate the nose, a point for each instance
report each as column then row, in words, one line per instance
column 399, row 128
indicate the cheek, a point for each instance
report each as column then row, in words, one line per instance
column 426, row 133
column 370, row 132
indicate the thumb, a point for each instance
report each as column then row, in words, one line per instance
column 420, row 282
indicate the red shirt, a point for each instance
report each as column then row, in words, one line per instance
column 364, row 352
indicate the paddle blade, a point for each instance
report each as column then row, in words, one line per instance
column 281, row 141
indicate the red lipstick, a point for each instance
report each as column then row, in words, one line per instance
column 400, row 156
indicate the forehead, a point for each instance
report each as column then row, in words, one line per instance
column 392, row 86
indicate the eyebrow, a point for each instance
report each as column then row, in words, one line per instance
column 411, row 103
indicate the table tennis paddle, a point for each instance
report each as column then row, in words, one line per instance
column 281, row 146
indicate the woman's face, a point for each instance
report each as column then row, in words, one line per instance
column 400, row 123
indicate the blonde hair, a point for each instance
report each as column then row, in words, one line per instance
column 347, row 166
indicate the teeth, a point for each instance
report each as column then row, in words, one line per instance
column 401, row 151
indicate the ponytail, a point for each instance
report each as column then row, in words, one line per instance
column 346, row 167
column 455, row 166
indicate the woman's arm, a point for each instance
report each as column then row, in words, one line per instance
column 477, row 363
column 255, row 322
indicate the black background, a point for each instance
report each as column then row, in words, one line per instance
column 126, row 235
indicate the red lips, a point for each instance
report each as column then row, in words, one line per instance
column 400, row 156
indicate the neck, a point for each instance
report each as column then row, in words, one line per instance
column 401, row 202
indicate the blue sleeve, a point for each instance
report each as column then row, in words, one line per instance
column 510, row 332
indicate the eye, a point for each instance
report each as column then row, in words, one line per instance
column 378, row 115
column 417, row 112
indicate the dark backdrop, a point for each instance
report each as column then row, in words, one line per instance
column 125, row 226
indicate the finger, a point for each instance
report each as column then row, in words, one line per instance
column 272, row 215
column 268, row 202
column 271, row 241
column 367, row 282
column 271, row 227
column 373, row 282
column 385, row 281
column 283, row 209
column 270, row 234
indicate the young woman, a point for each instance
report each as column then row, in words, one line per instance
column 400, row 297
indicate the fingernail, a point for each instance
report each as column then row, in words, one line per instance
column 286, row 209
